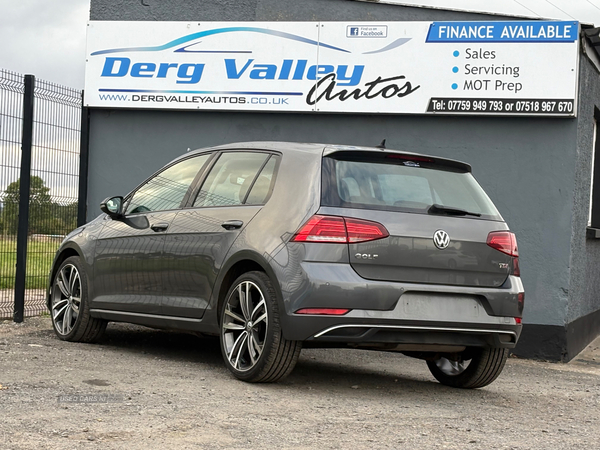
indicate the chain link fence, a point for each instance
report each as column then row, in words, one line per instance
column 53, row 184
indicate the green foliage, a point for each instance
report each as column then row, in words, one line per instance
column 39, row 260
column 45, row 216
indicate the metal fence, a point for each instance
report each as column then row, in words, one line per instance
column 40, row 140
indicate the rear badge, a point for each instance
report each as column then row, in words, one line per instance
column 441, row 239
column 365, row 256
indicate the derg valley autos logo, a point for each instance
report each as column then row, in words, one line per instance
column 333, row 82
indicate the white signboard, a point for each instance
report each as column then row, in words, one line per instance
column 503, row 68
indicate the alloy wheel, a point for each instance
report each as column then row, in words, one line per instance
column 245, row 326
column 452, row 368
column 66, row 299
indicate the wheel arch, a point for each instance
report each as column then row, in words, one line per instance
column 64, row 253
column 240, row 263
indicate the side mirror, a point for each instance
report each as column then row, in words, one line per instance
column 113, row 207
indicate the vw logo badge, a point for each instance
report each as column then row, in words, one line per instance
column 441, row 239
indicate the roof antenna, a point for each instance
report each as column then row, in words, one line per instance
column 382, row 145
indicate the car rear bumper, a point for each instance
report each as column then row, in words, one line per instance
column 401, row 313
column 421, row 336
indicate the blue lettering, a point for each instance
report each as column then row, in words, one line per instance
column 143, row 70
column 300, row 67
column 286, row 68
column 164, row 69
column 109, row 65
column 314, row 72
column 194, row 77
column 263, row 72
column 354, row 79
column 231, row 68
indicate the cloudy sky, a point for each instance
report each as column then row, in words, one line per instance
column 45, row 38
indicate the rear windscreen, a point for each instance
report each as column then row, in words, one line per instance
column 401, row 185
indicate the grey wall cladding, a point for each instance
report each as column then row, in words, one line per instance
column 583, row 314
column 523, row 164
column 276, row 10
column 187, row 10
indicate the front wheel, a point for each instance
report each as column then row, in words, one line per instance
column 479, row 371
column 69, row 304
column 252, row 343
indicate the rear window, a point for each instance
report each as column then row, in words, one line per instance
column 380, row 182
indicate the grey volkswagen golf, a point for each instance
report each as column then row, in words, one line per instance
column 274, row 246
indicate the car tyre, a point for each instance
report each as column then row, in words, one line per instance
column 481, row 370
column 252, row 342
column 69, row 304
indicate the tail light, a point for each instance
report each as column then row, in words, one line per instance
column 323, row 229
column 503, row 241
column 339, row 230
column 506, row 242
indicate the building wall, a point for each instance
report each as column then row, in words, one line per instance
column 583, row 316
column 276, row 10
column 527, row 165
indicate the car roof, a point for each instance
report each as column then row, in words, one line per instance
column 320, row 149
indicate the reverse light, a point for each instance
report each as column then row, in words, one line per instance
column 521, row 300
column 339, row 230
column 323, row 311
column 516, row 268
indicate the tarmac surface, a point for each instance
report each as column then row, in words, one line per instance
column 140, row 388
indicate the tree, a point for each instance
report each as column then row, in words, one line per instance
column 45, row 216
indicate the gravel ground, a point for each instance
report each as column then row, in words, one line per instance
column 169, row 390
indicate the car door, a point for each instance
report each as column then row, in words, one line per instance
column 222, row 205
column 129, row 268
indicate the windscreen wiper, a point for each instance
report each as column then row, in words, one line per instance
column 440, row 209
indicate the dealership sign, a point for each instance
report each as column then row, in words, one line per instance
column 503, row 68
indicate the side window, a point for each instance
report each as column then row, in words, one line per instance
column 166, row 190
column 263, row 184
column 594, row 218
column 230, row 178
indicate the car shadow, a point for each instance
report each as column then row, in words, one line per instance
column 342, row 372
column 407, row 379
column 168, row 345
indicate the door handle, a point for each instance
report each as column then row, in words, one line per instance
column 232, row 224
column 160, row 226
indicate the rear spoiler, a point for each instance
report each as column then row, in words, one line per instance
column 393, row 156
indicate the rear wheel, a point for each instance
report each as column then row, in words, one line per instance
column 69, row 304
column 252, row 343
column 479, row 371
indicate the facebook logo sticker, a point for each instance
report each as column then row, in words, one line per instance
column 366, row 31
